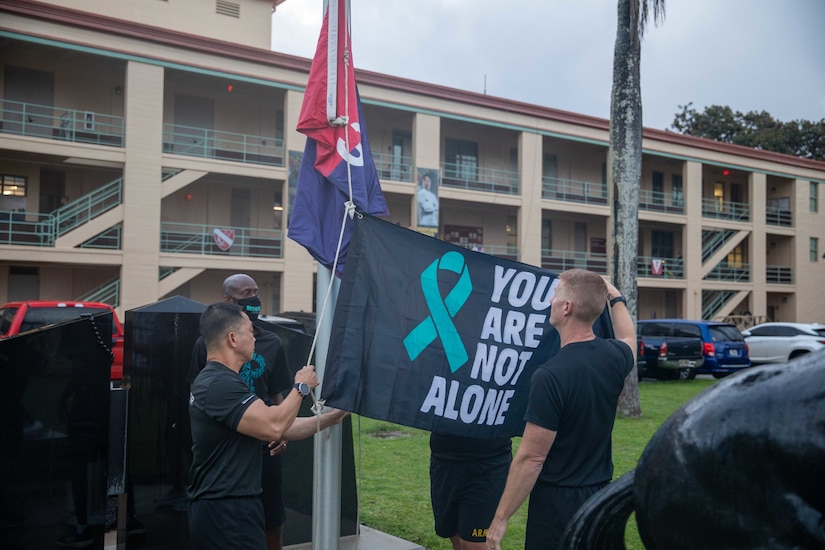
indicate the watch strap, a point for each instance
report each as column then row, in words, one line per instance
column 617, row 299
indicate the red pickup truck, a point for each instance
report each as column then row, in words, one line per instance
column 17, row 317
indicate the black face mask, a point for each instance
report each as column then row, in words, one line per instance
column 251, row 306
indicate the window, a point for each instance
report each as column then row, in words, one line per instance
column 719, row 196
column 661, row 244
column 658, row 188
column 546, row 234
column 12, row 186
column 814, row 249
column 814, row 197
column 677, row 193
column 461, row 159
column 736, row 258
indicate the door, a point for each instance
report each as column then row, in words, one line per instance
column 194, row 120
column 28, row 101
column 241, row 208
column 52, row 189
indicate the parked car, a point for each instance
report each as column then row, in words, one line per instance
column 17, row 317
column 781, row 342
column 723, row 347
column 664, row 356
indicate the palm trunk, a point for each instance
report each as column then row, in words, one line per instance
column 625, row 160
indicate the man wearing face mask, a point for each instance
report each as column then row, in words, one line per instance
column 267, row 376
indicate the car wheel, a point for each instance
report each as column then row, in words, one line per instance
column 797, row 353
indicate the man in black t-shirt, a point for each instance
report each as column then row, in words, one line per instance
column 229, row 422
column 565, row 454
column 267, row 376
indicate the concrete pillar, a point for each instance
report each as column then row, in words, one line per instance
column 759, row 253
column 530, row 155
column 692, row 177
column 142, row 185
column 426, row 152
column 296, row 282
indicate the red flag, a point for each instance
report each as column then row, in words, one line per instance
column 330, row 94
column 337, row 151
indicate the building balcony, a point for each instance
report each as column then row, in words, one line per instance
column 725, row 210
column 782, row 218
column 739, row 273
column 474, row 178
column 211, row 240
column 78, row 126
column 220, row 145
column 393, row 167
column 658, row 267
column 562, row 260
column 658, row 201
column 779, row 275
column 585, row 192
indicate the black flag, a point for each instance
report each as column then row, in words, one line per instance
column 430, row 335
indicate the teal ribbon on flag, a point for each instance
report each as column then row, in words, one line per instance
column 439, row 323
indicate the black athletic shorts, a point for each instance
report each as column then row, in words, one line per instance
column 272, row 494
column 551, row 509
column 465, row 495
column 227, row 523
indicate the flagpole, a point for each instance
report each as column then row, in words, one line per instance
column 326, row 504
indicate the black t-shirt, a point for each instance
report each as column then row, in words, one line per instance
column 457, row 449
column 266, row 374
column 575, row 394
column 225, row 463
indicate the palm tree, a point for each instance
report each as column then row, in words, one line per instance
column 625, row 161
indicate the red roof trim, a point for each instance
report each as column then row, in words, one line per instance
column 80, row 19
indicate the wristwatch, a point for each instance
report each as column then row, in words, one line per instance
column 302, row 387
column 618, row 299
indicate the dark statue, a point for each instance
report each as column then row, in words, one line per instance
column 740, row 466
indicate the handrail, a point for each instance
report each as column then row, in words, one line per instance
column 392, row 167
column 672, row 268
column 89, row 206
column 568, row 190
column 713, row 300
column 779, row 274
column 725, row 210
column 713, row 240
column 108, row 293
column 193, row 238
column 725, row 272
column 476, row 178
column 79, row 126
column 561, row 260
column 656, row 201
column 222, row 145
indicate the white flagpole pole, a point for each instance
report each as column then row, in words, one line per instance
column 326, row 505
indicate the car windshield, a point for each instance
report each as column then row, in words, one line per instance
column 6, row 317
column 725, row 333
column 37, row 317
column 819, row 331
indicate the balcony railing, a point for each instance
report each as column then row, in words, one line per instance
column 31, row 119
column 108, row 293
column 480, row 179
column 107, row 240
column 782, row 218
column 658, row 201
column 779, row 274
column 220, row 145
column 740, row 273
column 191, row 238
column 713, row 240
column 725, row 210
column 391, row 167
column 562, row 260
column 662, row 268
column 23, row 228
column 561, row 189
column 498, row 250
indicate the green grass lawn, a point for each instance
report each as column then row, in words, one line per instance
column 394, row 471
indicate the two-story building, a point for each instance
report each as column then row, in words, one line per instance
column 170, row 127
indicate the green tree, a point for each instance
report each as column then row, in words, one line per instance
column 757, row 129
column 625, row 161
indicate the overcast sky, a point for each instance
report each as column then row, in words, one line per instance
column 746, row 54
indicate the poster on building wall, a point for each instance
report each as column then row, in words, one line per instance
column 427, row 198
